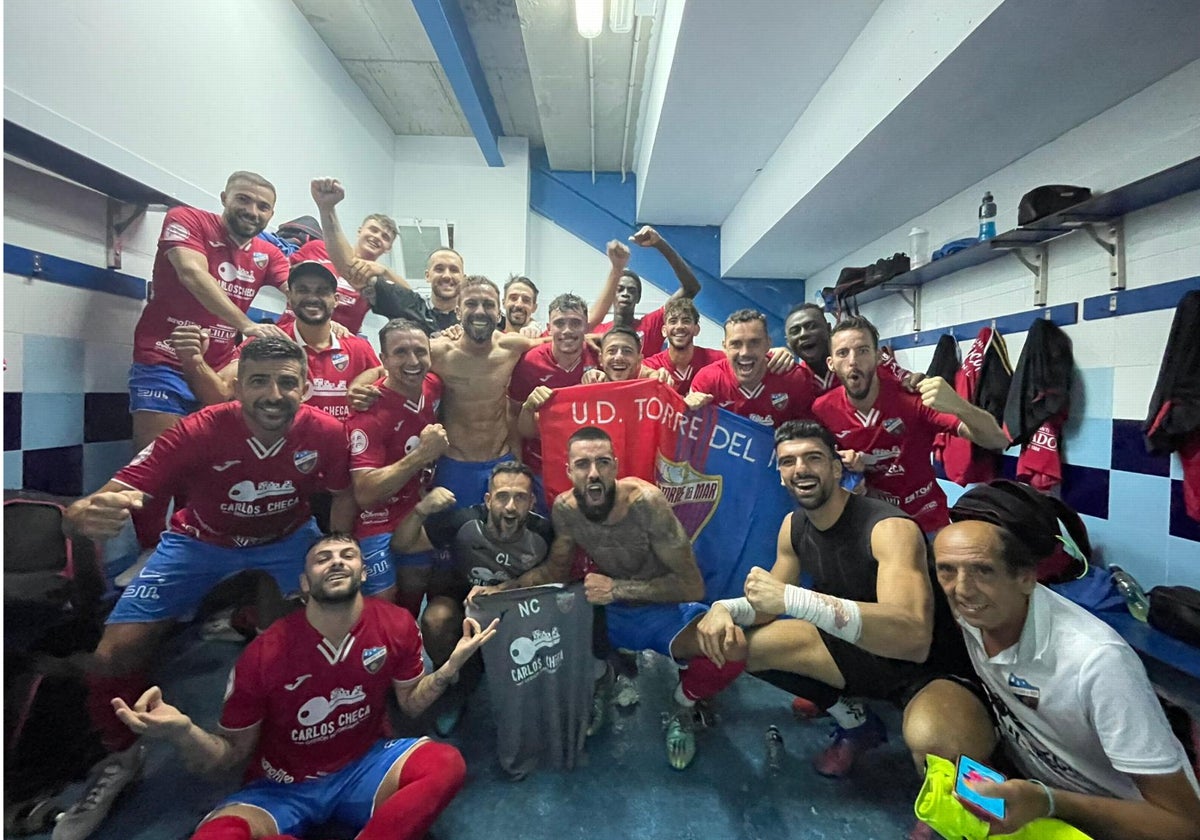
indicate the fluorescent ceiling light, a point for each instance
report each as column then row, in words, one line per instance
column 589, row 17
column 620, row 16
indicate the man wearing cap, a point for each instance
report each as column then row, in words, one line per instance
column 1076, row 714
column 333, row 362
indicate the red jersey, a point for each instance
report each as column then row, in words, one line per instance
column 895, row 438
column 538, row 366
column 352, row 307
column 240, row 270
column 321, row 704
column 330, row 371
column 681, row 380
column 649, row 329
column 239, row 491
column 382, row 435
column 778, row 398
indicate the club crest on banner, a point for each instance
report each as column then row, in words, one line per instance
column 693, row 495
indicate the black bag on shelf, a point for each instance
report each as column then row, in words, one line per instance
column 1175, row 610
column 1051, row 198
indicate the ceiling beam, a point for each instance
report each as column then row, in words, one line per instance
column 447, row 29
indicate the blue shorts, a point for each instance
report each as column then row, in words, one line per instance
column 652, row 627
column 381, row 562
column 346, row 797
column 160, row 388
column 467, row 480
column 182, row 570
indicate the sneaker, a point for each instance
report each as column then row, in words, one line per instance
column 601, row 695
column 836, row 760
column 218, row 627
column 805, row 709
column 108, row 780
column 681, row 737
column 625, row 692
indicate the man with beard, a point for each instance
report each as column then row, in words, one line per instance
column 641, row 569
column 332, row 362
column 893, row 430
column 330, row 667
column 392, row 445
column 559, row 364
column 520, row 302
column 682, row 358
column 807, row 334
column 742, row 382
column 648, row 327
column 488, row 544
column 207, row 270
column 246, row 470
column 870, row 626
column 383, row 290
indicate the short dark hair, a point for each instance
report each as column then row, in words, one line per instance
column 807, row 430
column 637, row 278
column 621, row 329
column 745, row 316
column 473, row 281
column 332, row 536
column 510, row 468
column 397, row 325
column 271, row 348
column 588, row 433
column 514, row 279
column 249, row 178
column 429, row 259
column 681, row 306
column 568, row 302
column 856, row 322
column 807, row 304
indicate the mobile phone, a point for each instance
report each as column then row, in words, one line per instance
column 970, row 770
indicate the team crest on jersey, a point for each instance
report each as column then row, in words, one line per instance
column 693, row 495
column 260, row 259
column 373, row 659
column 340, row 360
column 565, row 601
column 175, row 232
column 1026, row 692
column 358, row 442
column 893, row 426
column 305, row 460
column 780, row 401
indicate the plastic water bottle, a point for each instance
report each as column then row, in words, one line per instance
column 987, row 218
column 774, row 745
column 1135, row 596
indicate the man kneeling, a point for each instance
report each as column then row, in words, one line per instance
column 307, row 700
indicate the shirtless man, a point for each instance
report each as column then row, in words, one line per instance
column 474, row 369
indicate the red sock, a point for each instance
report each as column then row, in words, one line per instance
column 114, row 735
column 151, row 520
column 224, row 828
column 704, row 679
column 430, row 778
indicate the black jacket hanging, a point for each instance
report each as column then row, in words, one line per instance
column 945, row 359
column 1041, row 384
column 1175, row 405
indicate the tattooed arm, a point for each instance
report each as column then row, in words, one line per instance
column 671, row 546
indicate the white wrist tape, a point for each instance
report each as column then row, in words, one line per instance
column 836, row 616
column 740, row 609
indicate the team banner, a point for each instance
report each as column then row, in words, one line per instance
column 716, row 469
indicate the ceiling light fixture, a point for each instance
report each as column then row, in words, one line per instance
column 620, row 16
column 589, row 17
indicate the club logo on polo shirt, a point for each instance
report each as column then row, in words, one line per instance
column 893, row 426
column 1025, row 691
column 780, row 401
column 340, row 360
column 373, row 659
column 260, row 259
column 305, row 460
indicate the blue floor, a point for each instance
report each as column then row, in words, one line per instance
column 625, row 789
